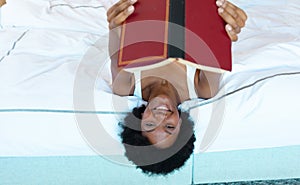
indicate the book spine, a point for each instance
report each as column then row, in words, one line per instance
column 176, row 32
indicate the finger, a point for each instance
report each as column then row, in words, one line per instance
column 227, row 17
column 238, row 14
column 232, row 35
column 241, row 12
column 119, row 8
column 114, row 7
column 235, row 16
column 121, row 17
column 220, row 3
column 222, row 10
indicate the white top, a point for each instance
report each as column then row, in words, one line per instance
column 190, row 71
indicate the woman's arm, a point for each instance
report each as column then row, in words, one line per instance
column 208, row 82
column 116, row 15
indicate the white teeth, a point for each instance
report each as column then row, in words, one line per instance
column 162, row 108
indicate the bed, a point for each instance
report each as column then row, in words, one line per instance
column 59, row 119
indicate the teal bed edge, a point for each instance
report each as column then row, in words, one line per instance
column 229, row 166
column 248, row 165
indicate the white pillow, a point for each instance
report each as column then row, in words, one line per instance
column 77, row 15
column 108, row 3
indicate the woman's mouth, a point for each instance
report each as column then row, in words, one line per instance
column 162, row 108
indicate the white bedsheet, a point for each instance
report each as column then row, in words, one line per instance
column 40, row 57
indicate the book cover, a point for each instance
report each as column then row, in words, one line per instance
column 161, row 29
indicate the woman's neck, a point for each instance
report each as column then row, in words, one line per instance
column 161, row 87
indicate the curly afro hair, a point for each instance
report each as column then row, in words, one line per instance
column 150, row 159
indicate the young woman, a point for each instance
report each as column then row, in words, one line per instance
column 158, row 137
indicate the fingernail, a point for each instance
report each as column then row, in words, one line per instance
column 219, row 3
column 132, row 1
column 228, row 27
column 220, row 10
column 130, row 9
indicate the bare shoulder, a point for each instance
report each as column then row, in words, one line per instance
column 123, row 83
column 206, row 83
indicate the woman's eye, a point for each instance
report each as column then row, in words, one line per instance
column 170, row 127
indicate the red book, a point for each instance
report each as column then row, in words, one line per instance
column 161, row 29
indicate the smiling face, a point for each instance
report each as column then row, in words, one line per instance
column 161, row 122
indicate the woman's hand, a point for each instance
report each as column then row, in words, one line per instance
column 119, row 12
column 233, row 16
